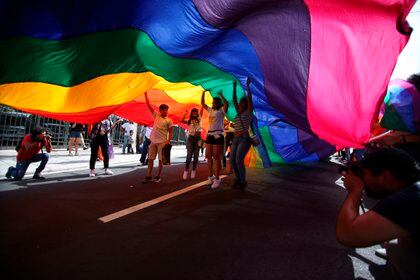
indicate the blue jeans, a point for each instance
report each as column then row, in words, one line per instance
column 145, row 151
column 192, row 151
column 125, row 143
column 22, row 165
column 240, row 147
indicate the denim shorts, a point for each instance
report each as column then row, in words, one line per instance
column 75, row 134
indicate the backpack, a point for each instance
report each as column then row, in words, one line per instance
column 19, row 145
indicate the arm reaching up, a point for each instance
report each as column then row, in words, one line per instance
column 116, row 123
column 184, row 116
column 148, row 103
column 249, row 95
column 225, row 102
column 203, row 102
column 235, row 97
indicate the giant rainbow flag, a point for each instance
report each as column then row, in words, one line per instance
column 319, row 68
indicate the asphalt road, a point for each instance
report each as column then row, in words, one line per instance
column 281, row 227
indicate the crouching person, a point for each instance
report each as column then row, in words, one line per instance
column 29, row 152
column 392, row 176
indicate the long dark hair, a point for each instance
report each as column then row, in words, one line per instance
column 193, row 117
column 219, row 101
column 415, row 80
column 244, row 100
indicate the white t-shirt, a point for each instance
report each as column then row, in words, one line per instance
column 216, row 117
column 160, row 129
column 194, row 127
column 127, row 127
column 148, row 132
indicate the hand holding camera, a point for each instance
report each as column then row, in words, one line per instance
column 352, row 182
column 47, row 139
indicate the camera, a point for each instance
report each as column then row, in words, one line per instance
column 356, row 168
column 47, row 138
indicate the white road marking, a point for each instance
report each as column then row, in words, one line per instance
column 340, row 182
column 99, row 175
column 152, row 202
column 30, row 174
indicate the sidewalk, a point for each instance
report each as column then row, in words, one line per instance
column 60, row 161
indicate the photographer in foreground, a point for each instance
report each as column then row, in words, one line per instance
column 29, row 150
column 392, row 176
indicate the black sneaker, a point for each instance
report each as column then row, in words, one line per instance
column 236, row 184
column 157, row 179
column 9, row 172
column 243, row 185
column 37, row 176
column 148, row 179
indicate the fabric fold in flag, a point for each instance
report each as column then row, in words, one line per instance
column 319, row 69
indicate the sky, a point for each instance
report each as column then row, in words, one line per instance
column 409, row 60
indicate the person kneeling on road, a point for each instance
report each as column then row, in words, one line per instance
column 28, row 152
column 392, row 176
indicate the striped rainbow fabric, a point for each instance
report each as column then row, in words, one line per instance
column 319, row 68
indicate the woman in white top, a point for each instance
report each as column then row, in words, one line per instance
column 215, row 139
column 194, row 135
column 241, row 141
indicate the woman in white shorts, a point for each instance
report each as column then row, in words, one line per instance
column 215, row 140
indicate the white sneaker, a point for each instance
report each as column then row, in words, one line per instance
column 92, row 173
column 210, row 179
column 185, row 175
column 108, row 171
column 216, row 183
column 192, row 174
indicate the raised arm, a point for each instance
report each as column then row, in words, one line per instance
column 184, row 116
column 203, row 102
column 249, row 95
column 201, row 112
column 115, row 124
column 225, row 102
column 235, row 97
column 148, row 103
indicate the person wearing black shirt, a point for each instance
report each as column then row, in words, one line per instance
column 391, row 175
